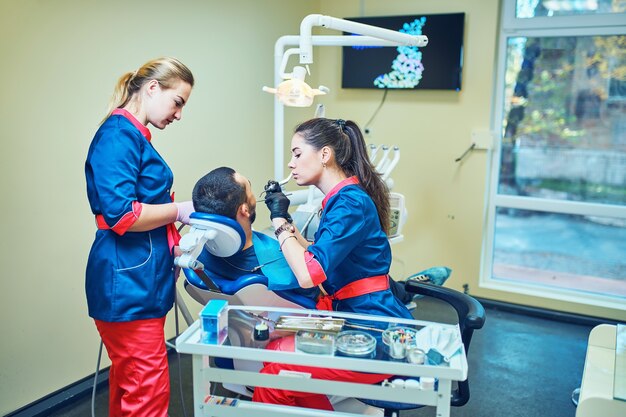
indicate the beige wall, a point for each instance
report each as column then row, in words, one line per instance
column 60, row 60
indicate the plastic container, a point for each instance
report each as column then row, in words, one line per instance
column 356, row 343
column 261, row 335
column 415, row 355
column 317, row 343
column 214, row 318
column 397, row 339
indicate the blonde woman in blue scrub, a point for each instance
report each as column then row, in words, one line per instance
column 130, row 271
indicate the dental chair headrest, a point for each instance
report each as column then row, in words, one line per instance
column 229, row 236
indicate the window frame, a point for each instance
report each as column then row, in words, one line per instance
column 557, row 22
column 558, row 26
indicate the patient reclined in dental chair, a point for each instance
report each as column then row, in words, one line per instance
column 217, row 267
column 257, row 275
column 214, row 259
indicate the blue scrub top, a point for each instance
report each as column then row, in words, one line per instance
column 129, row 274
column 349, row 245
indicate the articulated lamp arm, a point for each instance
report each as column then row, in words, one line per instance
column 306, row 40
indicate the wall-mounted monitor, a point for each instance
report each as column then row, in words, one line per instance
column 437, row 66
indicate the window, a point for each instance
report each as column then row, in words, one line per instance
column 557, row 208
column 551, row 8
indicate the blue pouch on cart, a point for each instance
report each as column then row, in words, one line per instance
column 437, row 275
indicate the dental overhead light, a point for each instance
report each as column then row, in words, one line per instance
column 294, row 91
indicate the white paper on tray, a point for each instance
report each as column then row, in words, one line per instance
column 444, row 340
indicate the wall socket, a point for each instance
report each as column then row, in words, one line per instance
column 483, row 138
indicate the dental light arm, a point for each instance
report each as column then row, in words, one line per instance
column 371, row 36
column 307, row 24
column 294, row 91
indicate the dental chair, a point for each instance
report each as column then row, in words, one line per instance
column 224, row 237
column 470, row 315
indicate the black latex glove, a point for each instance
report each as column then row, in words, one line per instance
column 278, row 204
column 272, row 187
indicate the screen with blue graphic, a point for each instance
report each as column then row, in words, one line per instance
column 437, row 66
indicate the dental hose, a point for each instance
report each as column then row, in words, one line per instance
column 180, row 372
column 95, row 381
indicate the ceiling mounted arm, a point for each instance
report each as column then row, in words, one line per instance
column 307, row 24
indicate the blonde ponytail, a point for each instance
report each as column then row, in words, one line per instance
column 167, row 71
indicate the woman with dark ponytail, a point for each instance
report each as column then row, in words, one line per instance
column 130, row 282
column 350, row 257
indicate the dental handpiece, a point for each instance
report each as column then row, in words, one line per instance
column 275, row 186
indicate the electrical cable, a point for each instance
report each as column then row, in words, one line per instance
column 180, row 372
column 366, row 127
column 95, row 381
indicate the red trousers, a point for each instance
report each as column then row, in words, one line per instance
column 139, row 383
column 306, row 399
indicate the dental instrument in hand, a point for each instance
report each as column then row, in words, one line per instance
column 273, row 186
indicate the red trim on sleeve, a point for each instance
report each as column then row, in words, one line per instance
column 124, row 223
column 144, row 130
column 315, row 269
column 348, row 181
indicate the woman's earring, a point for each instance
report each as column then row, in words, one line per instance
column 323, row 164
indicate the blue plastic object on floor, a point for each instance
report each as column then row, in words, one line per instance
column 437, row 275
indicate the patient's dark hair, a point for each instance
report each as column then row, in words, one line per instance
column 218, row 192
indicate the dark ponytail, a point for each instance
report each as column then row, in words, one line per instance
column 347, row 142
